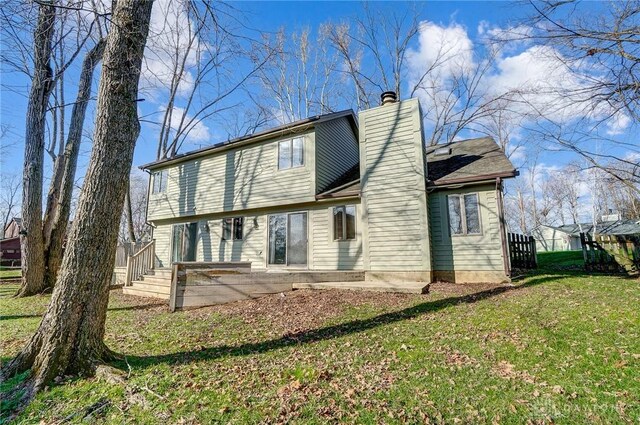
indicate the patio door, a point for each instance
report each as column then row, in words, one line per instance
column 288, row 239
column 184, row 239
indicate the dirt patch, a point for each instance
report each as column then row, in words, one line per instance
column 304, row 309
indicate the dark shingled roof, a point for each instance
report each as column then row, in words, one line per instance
column 468, row 160
column 346, row 185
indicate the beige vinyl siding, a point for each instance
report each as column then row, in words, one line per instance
column 328, row 254
column 393, row 187
column 162, row 235
column 236, row 179
column 466, row 252
column 336, row 151
column 252, row 247
column 324, row 252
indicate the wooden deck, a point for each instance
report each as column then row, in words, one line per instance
column 192, row 285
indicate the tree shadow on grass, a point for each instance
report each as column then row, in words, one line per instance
column 130, row 307
column 330, row 332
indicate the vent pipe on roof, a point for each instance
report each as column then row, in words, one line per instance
column 388, row 97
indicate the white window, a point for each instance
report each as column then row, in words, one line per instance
column 232, row 228
column 464, row 214
column 291, row 153
column 344, row 223
column 159, row 181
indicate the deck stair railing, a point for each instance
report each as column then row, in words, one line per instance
column 140, row 263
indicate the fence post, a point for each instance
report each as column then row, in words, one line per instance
column 173, row 292
column 534, row 254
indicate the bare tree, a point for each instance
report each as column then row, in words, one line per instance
column 196, row 60
column 69, row 339
column 10, row 185
column 622, row 197
column 599, row 53
column 301, row 77
column 138, row 193
column 374, row 48
column 41, row 87
column 69, row 30
column 60, row 195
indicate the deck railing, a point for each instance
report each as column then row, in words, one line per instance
column 140, row 263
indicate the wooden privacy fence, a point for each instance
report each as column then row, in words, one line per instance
column 522, row 251
column 611, row 253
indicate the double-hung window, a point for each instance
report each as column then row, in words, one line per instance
column 232, row 228
column 464, row 214
column 344, row 223
column 291, row 153
column 159, row 181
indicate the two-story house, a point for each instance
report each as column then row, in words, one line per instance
column 335, row 192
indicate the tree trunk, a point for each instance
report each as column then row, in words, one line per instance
column 41, row 86
column 69, row 339
column 129, row 209
column 61, row 190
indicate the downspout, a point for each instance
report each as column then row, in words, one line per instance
column 503, row 234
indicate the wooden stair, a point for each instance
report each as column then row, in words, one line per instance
column 154, row 284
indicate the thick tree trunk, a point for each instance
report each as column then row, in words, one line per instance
column 41, row 86
column 69, row 339
column 61, row 190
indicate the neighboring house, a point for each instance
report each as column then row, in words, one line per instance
column 567, row 237
column 10, row 248
column 12, row 229
column 333, row 192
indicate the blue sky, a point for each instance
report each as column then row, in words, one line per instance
column 467, row 19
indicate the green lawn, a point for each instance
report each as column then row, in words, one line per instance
column 561, row 259
column 10, row 273
column 558, row 347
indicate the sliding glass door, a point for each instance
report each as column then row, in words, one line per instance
column 288, row 239
column 184, row 239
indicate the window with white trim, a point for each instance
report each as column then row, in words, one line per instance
column 159, row 181
column 232, row 228
column 291, row 153
column 464, row 214
column 344, row 223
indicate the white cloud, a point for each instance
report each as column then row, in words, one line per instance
column 170, row 39
column 197, row 132
column 516, row 153
column 483, row 26
column 538, row 78
column 618, row 124
column 446, row 50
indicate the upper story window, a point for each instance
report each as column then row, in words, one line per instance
column 159, row 181
column 291, row 153
column 232, row 228
column 344, row 223
column 464, row 214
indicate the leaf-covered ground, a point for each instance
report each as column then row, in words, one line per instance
column 558, row 347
